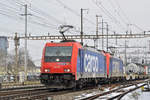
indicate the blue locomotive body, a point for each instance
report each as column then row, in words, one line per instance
column 91, row 64
column 116, row 67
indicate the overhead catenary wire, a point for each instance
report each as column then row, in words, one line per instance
column 117, row 12
column 74, row 12
column 10, row 8
column 45, row 15
column 19, row 3
column 108, row 14
column 31, row 21
column 40, row 15
column 125, row 15
column 38, row 11
column 45, row 21
column 122, row 17
column 15, row 14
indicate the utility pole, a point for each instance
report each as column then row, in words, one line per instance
column 96, row 40
column 97, row 25
column 26, row 59
column 116, row 37
column 107, row 35
column 102, row 34
column 16, row 39
column 125, row 53
column 81, row 26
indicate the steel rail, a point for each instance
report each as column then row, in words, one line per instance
column 109, row 92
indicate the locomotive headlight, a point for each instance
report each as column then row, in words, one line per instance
column 47, row 70
column 66, row 70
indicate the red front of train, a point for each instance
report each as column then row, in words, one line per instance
column 58, row 66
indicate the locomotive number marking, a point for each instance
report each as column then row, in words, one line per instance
column 90, row 63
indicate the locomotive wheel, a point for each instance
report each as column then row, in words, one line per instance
column 80, row 86
column 77, row 86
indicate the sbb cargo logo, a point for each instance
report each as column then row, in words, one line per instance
column 90, row 63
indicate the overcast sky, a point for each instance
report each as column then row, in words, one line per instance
column 47, row 15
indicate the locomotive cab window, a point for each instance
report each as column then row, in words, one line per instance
column 58, row 54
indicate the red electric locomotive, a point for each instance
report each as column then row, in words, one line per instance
column 59, row 60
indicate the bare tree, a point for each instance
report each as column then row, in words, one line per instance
column 11, row 62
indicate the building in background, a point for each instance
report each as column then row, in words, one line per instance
column 3, row 53
column 3, row 44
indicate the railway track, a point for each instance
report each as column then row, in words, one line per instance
column 17, row 91
column 21, row 88
column 119, row 96
column 116, row 93
column 40, row 94
column 32, row 94
column 23, row 94
column 18, row 85
column 43, row 93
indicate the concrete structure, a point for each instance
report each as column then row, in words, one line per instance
column 3, row 51
column 3, row 44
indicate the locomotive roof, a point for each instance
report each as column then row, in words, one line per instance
column 92, row 49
